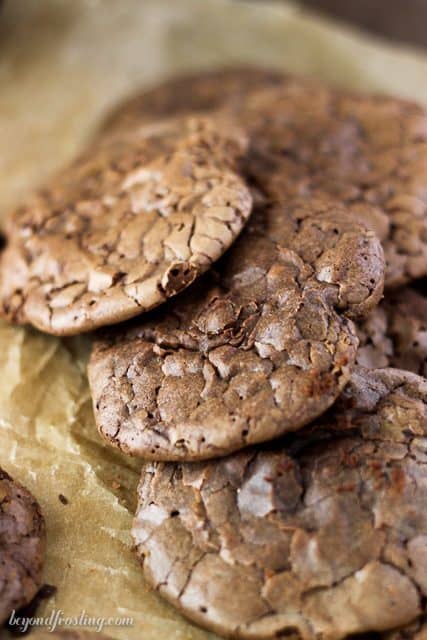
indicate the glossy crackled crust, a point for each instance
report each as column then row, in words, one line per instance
column 259, row 348
column 131, row 223
column 22, row 539
column 395, row 333
column 319, row 536
column 369, row 152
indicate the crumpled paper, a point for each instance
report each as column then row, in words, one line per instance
column 62, row 65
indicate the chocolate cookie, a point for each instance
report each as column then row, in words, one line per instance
column 131, row 223
column 395, row 333
column 318, row 536
column 22, row 538
column 368, row 152
column 258, row 348
column 202, row 91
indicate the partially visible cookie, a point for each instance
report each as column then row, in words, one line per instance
column 259, row 347
column 395, row 333
column 202, row 91
column 131, row 223
column 22, row 540
column 318, row 536
column 368, row 152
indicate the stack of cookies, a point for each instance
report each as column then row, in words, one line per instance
column 229, row 237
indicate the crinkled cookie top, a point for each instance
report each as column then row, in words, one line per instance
column 257, row 348
column 369, row 152
column 323, row 535
column 131, row 223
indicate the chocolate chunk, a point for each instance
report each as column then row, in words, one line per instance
column 323, row 534
column 22, row 541
column 131, row 223
column 258, row 349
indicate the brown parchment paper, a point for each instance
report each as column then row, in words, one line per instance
column 62, row 64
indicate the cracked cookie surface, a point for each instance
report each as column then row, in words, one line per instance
column 257, row 348
column 22, row 539
column 368, row 152
column 395, row 333
column 131, row 223
column 323, row 535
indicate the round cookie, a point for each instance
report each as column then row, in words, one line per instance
column 22, row 541
column 131, row 223
column 395, row 333
column 201, row 92
column 257, row 348
column 368, row 152
column 318, row 536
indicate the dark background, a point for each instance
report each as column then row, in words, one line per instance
column 403, row 20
